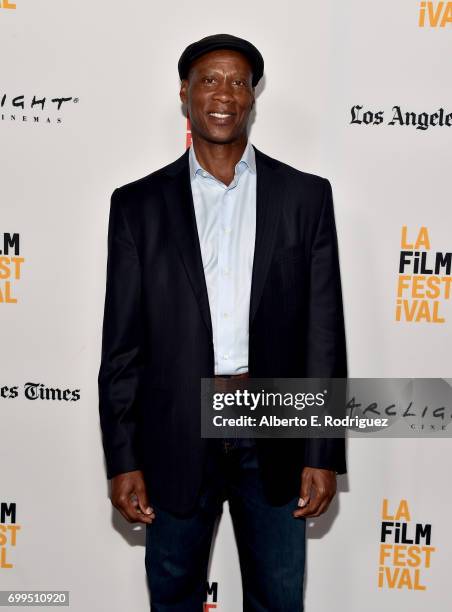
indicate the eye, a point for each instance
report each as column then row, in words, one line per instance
column 239, row 82
column 208, row 80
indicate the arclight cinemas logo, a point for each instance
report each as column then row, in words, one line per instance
column 35, row 109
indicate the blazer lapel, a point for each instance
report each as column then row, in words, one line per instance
column 179, row 199
column 270, row 193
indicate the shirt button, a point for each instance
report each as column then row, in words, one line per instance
column 227, row 230
column 225, row 315
column 225, row 271
column 225, row 355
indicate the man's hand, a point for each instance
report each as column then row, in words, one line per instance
column 128, row 495
column 318, row 488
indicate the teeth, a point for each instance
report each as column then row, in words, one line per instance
column 220, row 115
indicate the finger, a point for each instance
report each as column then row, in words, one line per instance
column 322, row 509
column 137, row 507
column 143, row 503
column 305, row 490
column 314, row 503
column 131, row 513
column 316, row 507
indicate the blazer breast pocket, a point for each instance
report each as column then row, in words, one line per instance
column 288, row 253
column 288, row 265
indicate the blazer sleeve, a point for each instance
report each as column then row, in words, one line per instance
column 119, row 372
column 326, row 347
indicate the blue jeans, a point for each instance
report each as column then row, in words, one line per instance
column 271, row 543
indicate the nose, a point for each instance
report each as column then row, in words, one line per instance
column 223, row 91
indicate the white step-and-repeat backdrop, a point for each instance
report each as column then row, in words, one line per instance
column 357, row 91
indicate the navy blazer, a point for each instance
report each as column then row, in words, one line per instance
column 157, row 332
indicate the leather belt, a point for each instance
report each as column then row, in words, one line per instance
column 224, row 382
column 228, row 376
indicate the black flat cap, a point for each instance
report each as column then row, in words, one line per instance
column 222, row 41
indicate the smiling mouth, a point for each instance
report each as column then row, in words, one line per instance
column 221, row 115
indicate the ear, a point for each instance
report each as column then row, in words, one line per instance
column 183, row 91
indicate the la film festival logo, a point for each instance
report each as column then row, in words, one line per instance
column 405, row 549
column 435, row 14
column 211, row 597
column 7, row 4
column 424, row 280
column 10, row 267
column 34, row 109
column 8, row 534
column 188, row 134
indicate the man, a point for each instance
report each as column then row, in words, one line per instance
column 223, row 263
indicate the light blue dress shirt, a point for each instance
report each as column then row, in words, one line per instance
column 226, row 222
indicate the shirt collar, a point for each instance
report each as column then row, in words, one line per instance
column 248, row 160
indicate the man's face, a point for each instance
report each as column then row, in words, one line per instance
column 219, row 95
